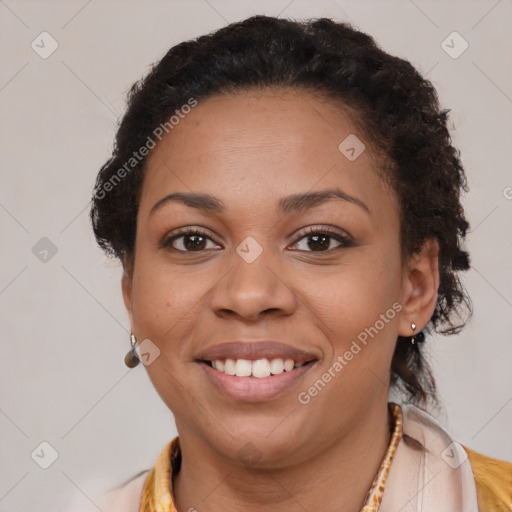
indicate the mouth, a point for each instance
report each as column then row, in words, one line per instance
column 255, row 371
column 259, row 368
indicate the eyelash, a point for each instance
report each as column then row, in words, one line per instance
column 344, row 240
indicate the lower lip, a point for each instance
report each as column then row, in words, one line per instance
column 254, row 389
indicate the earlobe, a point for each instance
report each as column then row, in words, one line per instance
column 420, row 288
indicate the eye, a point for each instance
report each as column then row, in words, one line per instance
column 320, row 240
column 196, row 240
column 188, row 240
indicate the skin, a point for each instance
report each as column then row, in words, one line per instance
column 250, row 150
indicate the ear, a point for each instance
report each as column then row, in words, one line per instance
column 126, row 286
column 419, row 288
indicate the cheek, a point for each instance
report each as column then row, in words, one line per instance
column 163, row 301
column 163, row 311
column 355, row 296
column 361, row 312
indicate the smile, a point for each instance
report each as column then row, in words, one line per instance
column 254, row 371
column 260, row 368
column 250, row 388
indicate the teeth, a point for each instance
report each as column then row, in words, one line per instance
column 259, row 368
column 243, row 368
column 289, row 364
column 276, row 366
column 229, row 366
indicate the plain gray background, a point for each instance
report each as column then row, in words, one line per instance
column 64, row 329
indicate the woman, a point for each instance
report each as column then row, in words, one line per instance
column 285, row 201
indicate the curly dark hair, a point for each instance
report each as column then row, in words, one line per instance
column 388, row 100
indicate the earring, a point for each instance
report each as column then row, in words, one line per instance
column 131, row 359
column 418, row 337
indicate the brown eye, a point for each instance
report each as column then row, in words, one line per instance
column 193, row 242
column 189, row 240
column 319, row 240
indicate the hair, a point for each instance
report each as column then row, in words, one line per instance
column 389, row 101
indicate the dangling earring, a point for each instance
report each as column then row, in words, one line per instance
column 418, row 337
column 131, row 359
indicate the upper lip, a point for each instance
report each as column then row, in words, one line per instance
column 253, row 350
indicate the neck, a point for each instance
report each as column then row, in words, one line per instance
column 340, row 475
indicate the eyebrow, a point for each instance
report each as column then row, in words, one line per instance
column 296, row 202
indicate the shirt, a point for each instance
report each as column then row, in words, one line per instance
column 424, row 469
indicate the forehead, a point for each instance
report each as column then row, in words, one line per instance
column 264, row 144
column 273, row 118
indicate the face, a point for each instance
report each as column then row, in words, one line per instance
column 320, row 275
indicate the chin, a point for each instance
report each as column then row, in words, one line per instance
column 265, row 442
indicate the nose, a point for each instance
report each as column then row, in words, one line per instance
column 250, row 289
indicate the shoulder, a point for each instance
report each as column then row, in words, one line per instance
column 488, row 478
column 122, row 498
column 126, row 497
column 493, row 479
